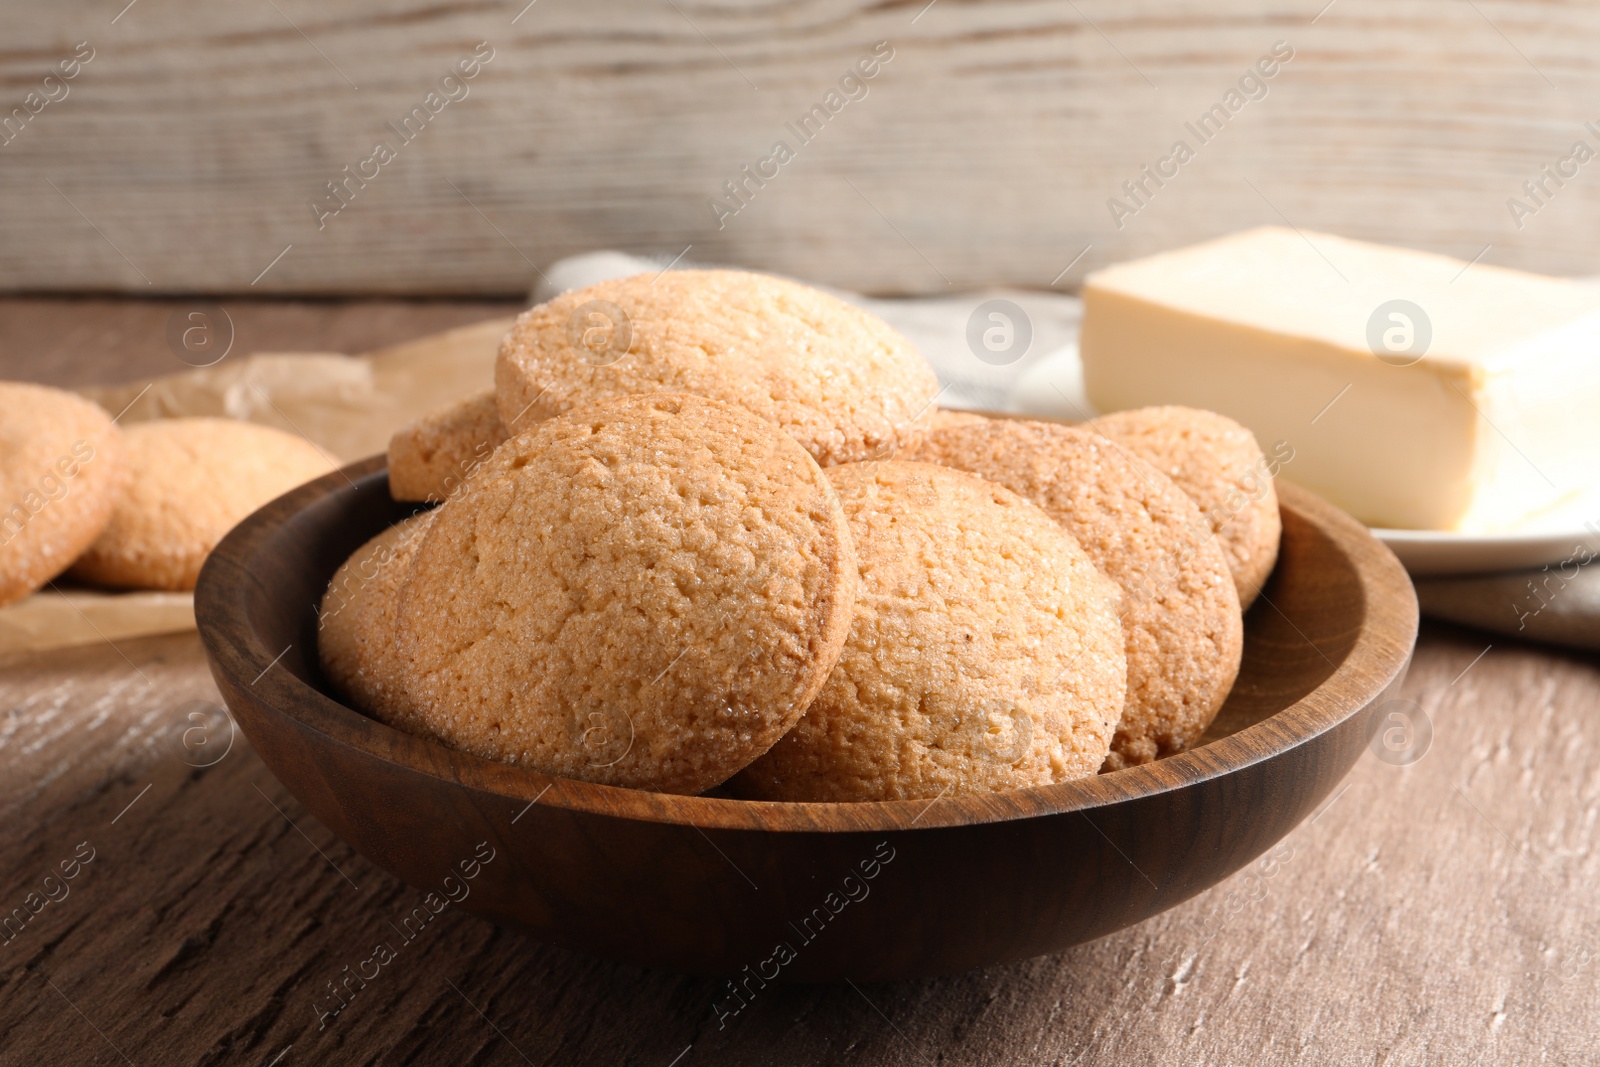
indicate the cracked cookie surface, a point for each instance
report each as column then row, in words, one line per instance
column 837, row 379
column 1180, row 611
column 645, row 592
column 985, row 652
column 1222, row 468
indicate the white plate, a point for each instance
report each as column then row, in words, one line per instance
column 1430, row 552
column 1555, row 537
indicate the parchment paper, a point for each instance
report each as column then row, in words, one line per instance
column 346, row 405
column 60, row 619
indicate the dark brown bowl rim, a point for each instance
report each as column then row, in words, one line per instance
column 1377, row 656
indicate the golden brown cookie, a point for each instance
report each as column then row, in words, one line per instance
column 645, row 592
column 60, row 475
column 939, row 418
column 189, row 482
column 355, row 621
column 431, row 457
column 837, row 379
column 1180, row 612
column 985, row 653
column 1218, row 463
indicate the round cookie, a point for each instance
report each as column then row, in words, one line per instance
column 355, row 621
column 1218, row 463
column 60, row 474
column 1180, row 613
column 189, row 482
column 646, row 592
column 428, row 458
column 985, row 653
column 837, row 379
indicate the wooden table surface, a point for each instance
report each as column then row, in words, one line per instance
column 1435, row 911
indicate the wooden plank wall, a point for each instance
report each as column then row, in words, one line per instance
column 185, row 154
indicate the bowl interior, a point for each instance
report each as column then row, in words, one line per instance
column 1299, row 634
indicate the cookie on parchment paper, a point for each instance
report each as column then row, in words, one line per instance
column 645, row 592
column 189, row 481
column 1180, row 612
column 61, row 469
column 985, row 653
column 837, row 379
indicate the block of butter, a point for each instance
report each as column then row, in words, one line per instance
column 1413, row 390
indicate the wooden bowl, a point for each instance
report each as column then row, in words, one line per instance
column 799, row 892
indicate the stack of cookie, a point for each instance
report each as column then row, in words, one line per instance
column 709, row 529
column 139, row 508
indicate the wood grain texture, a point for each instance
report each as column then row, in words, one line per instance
column 187, row 152
column 1437, row 912
column 1434, row 913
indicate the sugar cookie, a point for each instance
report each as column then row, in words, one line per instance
column 355, row 621
column 1180, row 611
column 61, row 471
column 939, row 418
column 189, row 482
column 837, row 379
column 429, row 458
column 644, row 592
column 985, row 653
column 1218, row 463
